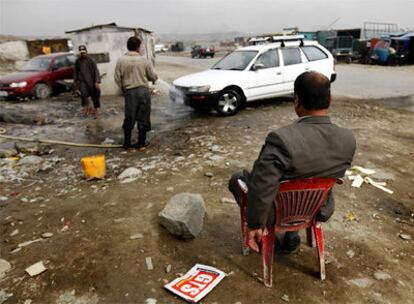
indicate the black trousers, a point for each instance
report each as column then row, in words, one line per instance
column 87, row 91
column 137, row 109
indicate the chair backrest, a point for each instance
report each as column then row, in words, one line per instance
column 299, row 200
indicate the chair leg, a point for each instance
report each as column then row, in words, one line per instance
column 317, row 229
column 309, row 237
column 268, row 249
column 243, row 207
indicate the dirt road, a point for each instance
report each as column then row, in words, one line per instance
column 91, row 259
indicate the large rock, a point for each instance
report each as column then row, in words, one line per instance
column 183, row 215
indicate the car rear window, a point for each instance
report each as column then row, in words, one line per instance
column 314, row 53
column 291, row 56
column 269, row 59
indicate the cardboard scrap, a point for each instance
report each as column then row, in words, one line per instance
column 196, row 283
column 36, row 269
column 148, row 261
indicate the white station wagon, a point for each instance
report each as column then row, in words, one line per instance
column 252, row 73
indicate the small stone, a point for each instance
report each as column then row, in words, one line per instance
column 350, row 253
column 148, row 261
column 381, row 276
column 47, row 235
column 136, row 236
column 4, row 267
column 209, row 174
column 168, row 268
column 405, row 237
column 285, row 298
column 15, row 232
column 150, row 301
column 130, row 175
column 226, row 200
column 362, row 283
column 169, row 189
column 3, row 198
column 28, row 301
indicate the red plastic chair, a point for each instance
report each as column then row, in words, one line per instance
column 297, row 204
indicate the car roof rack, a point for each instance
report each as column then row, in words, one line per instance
column 282, row 39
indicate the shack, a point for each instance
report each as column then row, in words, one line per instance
column 106, row 43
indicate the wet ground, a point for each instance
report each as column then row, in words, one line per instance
column 91, row 259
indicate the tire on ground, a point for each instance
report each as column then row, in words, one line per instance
column 42, row 91
column 229, row 102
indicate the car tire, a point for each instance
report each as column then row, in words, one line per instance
column 42, row 91
column 228, row 103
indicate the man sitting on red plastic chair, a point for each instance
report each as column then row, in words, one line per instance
column 312, row 146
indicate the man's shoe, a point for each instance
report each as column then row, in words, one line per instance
column 142, row 139
column 127, row 140
column 291, row 242
column 144, row 145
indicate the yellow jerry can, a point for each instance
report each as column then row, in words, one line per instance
column 94, row 166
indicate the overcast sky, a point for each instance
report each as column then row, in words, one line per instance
column 53, row 17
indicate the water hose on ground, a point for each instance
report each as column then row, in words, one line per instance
column 55, row 142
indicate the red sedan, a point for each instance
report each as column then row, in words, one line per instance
column 39, row 77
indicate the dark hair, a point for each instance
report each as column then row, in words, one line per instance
column 313, row 90
column 133, row 43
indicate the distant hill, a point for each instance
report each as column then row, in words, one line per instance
column 5, row 38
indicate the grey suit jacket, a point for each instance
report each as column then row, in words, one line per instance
column 310, row 147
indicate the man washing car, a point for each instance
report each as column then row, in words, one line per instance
column 132, row 74
column 310, row 147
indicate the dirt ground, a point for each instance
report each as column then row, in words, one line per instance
column 91, row 259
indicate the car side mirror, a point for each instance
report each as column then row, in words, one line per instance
column 258, row 66
column 55, row 68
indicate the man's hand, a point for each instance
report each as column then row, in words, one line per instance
column 98, row 86
column 255, row 236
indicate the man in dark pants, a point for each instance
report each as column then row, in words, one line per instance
column 132, row 74
column 86, row 81
column 310, row 147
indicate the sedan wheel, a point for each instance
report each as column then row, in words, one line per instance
column 228, row 103
column 42, row 91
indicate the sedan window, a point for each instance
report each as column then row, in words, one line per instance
column 314, row 53
column 60, row 62
column 270, row 59
column 71, row 59
column 237, row 60
column 291, row 56
column 36, row 65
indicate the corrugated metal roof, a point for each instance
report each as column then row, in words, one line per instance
column 108, row 25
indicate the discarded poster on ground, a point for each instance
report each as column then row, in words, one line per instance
column 196, row 283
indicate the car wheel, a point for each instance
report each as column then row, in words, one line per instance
column 228, row 103
column 42, row 91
